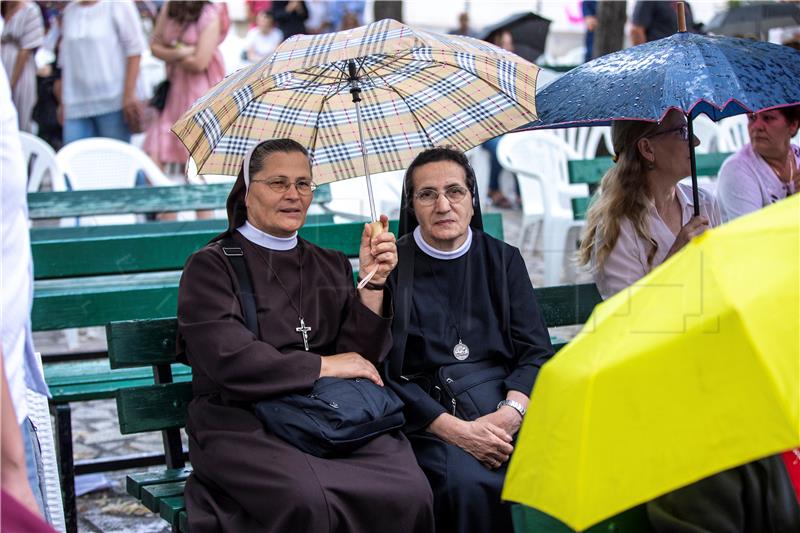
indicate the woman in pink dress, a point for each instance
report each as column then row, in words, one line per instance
column 186, row 37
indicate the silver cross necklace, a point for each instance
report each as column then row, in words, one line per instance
column 302, row 329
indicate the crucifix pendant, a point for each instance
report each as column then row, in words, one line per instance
column 303, row 330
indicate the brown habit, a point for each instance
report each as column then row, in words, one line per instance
column 246, row 479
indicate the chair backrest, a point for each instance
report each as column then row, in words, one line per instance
column 708, row 132
column 100, row 163
column 585, row 141
column 732, row 133
column 539, row 153
column 40, row 160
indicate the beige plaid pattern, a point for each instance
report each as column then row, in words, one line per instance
column 419, row 90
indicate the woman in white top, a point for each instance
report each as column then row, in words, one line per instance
column 264, row 38
column 765, row 170
column 642, row 214
column 101, row 45
column 22, row 35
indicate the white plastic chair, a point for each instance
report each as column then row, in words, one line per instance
column 708, row 132
column 585, row 141
column 100, row 163
column 732, row 133
column 40, row 159
column 541, row 157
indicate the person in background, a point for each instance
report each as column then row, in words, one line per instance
column 765, row 170
column 346, row 14
column 290, row 16
column 318, row 21
column 463, row 26
column 656, row 19
column 187, row 38
column 21, row 367
column 262, row 40
column 642, row 214
column 101, row 46
column 23, row 31
column 589, row 8
column 254, row 7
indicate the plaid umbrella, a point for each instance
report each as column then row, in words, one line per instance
column 419, row 90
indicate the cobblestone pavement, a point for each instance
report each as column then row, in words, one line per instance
column 96, row 431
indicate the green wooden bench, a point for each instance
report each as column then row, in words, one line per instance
column 591, row 171
column 95, row 275
column 138, row 200
column 162, row 406
column 529, row 520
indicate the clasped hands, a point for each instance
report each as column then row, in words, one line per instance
column 487, row 438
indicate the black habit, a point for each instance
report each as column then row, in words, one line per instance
column 485, row 297
column 246, row 479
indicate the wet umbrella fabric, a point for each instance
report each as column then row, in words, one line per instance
column 717, row 76
column 754, row 19
column 418, row 89
column 692, row 370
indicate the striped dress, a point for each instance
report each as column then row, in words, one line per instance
column 23, row 31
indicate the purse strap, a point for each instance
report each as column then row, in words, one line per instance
column 235, row 255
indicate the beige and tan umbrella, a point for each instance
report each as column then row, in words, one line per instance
column 361, row 100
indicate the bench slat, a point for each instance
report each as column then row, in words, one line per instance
column 591, row 171
column 183, row 521
column 170, row 508
column 135, row 482
column 136, row 200
column 135, row 343
column 152, row 494
column 153, row 408
column 567, row 305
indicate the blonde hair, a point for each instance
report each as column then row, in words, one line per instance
column 623, row 194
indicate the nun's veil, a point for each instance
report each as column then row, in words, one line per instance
column 408, row 220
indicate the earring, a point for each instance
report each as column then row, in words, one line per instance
column 651, row 164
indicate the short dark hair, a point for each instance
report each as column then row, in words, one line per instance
column 434, row 155
column 791, row 113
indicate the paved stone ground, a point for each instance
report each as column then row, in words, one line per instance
column 96, row 431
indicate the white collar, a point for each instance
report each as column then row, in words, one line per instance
column 442, row 254
column 271, row 242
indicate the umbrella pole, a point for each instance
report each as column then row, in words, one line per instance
column 355, row 90
column 695, row 193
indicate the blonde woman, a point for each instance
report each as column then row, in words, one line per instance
column 643, row 215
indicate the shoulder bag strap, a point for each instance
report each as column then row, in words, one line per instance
column 235, row 255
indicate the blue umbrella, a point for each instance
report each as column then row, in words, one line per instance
column 718, row 76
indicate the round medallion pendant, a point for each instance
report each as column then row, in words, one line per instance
column 460, row 351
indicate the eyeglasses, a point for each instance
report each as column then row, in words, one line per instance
column 304, row 187
column 454, row 194
column 684, row 131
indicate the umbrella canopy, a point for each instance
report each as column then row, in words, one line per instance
column 692, row 370
column 718, row 76
column 418, row 90
column 528, row 30
column 754, row 19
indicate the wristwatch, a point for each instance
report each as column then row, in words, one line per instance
column 514, row 405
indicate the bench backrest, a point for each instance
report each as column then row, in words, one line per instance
column 591, row 172
column 146, row 265
column 162, row 406
column 136, row 200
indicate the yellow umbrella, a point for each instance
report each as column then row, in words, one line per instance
column 692, row 370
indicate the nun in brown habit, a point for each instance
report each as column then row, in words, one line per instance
column 246, row 479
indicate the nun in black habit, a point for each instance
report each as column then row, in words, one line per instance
column 464, row 313
column 312, row 322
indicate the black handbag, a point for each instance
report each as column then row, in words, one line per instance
column 471, row 390
column 337, row 416
column 159, row 98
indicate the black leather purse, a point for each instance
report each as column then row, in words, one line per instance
column 159, row 98
column 337, row 416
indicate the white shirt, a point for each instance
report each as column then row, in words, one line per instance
column 263, row 45
column 627, row 262
column 16, row 266
column 747, row 183
column 96, row 41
